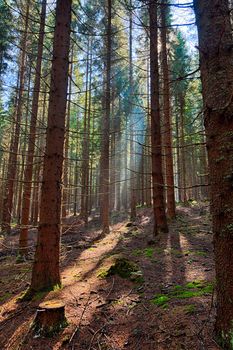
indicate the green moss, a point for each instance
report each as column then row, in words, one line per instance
column 190, row 309
column 5, row 296
column 30, row 294
column 121, row 267
column 39, row 295
column 190, row 290
column 149, row 252
column 160, row 299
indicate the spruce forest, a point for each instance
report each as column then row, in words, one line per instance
column 116, row 174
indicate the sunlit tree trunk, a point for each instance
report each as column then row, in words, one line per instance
column 167, row 116
column 45, row 273
column 216, row 58
column 131, row 120
column 104, row 160
column 157, row 176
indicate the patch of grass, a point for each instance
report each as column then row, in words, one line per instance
column 103, row 273
column 201, row 253
column 160, row 299
column 149, row 252
column 190, row 309
column 5, row 296
column 190, row 290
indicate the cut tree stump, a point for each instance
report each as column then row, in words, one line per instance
column 50, row 318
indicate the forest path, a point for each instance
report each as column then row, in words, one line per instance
column 168, row 306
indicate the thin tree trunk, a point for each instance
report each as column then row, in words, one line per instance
column 182, row 149
column 171, row 208
column 216, row 57
column 23, row 239
column 45, row 273
column 12, row 164
column 157, row 176
column 66, row 152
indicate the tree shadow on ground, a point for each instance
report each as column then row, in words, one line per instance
column 115, row 313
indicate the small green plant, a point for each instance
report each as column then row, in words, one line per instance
column 190, row 309
column 149, row 252
column 5, row 296
column 160, row 299
column 190, row 290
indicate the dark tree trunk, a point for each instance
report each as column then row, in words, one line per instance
column 157, row 176
column 104, row 161
column 216, row 57
column 45, row 273
column 171, row 209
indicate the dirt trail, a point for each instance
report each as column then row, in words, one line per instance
column 169, row 305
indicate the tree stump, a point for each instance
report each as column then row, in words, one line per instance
column 50, row 318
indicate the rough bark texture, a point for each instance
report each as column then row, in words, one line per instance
column 23, row 239
column 157, row 177
column 104, row 161
column 171, row 209
column 45, row 273
column 132, row 150
column 216, row 56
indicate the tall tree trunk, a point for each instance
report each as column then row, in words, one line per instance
column 66, row 147
column 12, row 163
column 85, row 166
column 45, row 273
column 182, row 148
column 216, row 58
column 157, row 176
column 132, row 156
column 104, row 160
column 171, row 209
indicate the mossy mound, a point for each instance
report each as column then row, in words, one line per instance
column 120, row 266
column 123, row 268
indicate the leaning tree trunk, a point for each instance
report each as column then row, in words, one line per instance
column 157, row 176
column 216, row 57
column 27, row 188
column 45, row 273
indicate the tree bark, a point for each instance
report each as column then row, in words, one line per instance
column 157, row 176
column 171, row 208
column 104, row 160
column 45, row 273
column 216, row 58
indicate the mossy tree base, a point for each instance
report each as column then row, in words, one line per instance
column 50, row 318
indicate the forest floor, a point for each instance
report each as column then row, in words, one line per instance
column 167, row 302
